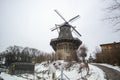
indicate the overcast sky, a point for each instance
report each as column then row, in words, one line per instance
column 28, row 22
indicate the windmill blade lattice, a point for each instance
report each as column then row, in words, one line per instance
column 60, row 15
column 76, row 31
column 74, row 18
column 66, row 22
column 56, row 27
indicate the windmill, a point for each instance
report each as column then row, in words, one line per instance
column 65, row 45
column 66, row 22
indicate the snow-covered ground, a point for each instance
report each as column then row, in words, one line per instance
column 70, row 72
column 6, row 76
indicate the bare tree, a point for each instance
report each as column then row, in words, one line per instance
column 82, row 52
column 114, row 11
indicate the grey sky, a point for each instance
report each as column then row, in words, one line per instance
column 28, row 22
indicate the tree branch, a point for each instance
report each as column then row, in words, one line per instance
column 116, row 23
column 117, row 30
column 115, row 6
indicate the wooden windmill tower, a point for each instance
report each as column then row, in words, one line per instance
column 66, row 45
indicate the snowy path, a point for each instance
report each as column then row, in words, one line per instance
column 110, row 73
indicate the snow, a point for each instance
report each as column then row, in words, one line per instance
column 97, row 74
column 6, row 76
column 45, row 70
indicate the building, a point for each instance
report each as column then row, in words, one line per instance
column 21, row 68
column 110, row 47
column 65, row 45
column 110, row 53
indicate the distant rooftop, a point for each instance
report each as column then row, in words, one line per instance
column 110, row 43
